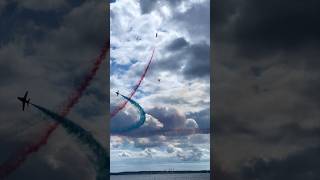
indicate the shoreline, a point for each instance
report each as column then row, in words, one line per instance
column 159, row 172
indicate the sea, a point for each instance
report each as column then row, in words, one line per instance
column 171, row 176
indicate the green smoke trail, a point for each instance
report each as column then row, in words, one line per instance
column 141, row 121
column 101, row 160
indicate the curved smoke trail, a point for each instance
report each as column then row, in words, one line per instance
column 101, row 158
column 17, row 159
column 122, row 105
column 141, row 121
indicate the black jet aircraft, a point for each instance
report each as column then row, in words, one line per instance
column 24, row 100
column 117, row 93
column 156, row 34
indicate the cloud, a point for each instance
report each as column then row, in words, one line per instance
column 191, row 123
column 198, row 65
column 147, row 6
column 154, row 141
column 170, row 148
column 304, row 164
column 201, row 117
column 265, row 64
column 36, row 5
column 130, row 116
column 148, row 152
column 199, row 138
column 193, row 155
column 43, row 5
column 192, row 60
column 181, row 53
column 2, row 5
column 177, row 44
column 255, row 31
column 47, row 51
column 152, row 122
column 124, row 154
column 196, row 22
column 169, row 117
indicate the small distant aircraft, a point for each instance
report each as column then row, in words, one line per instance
column 159, row 79
column 24, row 100
column 156, row 34
column 138, row 38
column 117, row 93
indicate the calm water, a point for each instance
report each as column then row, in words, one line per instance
column 191, row 176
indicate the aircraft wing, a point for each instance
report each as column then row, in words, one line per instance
column 23, row 105
column 25, row 95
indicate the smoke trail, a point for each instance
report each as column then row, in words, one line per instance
column 17, row 159
column 121, row 106
column 165, row 132
column 101, row 158
column 141, row 121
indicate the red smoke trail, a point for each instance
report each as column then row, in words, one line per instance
column 121, row 106
column 15, row 161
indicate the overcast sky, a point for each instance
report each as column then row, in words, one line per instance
column 266, row 76
column 182, row 97
column 47, row 47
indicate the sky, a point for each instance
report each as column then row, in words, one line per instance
column 265, row 71
column 47, row 47
column 181, row 100
column 266, row 89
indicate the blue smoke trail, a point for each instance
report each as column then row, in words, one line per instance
column 141, row 121
column 101, row 160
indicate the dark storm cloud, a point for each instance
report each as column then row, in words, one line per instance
column 68, row 165
column 290, row 25
column 6, row 71
column 268, row 26
column 265, row 63
column 178, row 49
column 198, row 64
column 194, row 58
column 16, row 20
column 292, row 133
column 227, row 124
column 177, row 44
column 223, row 174
column 172, row 63
column 40, row 5
column 221, row 13
column 301, row 165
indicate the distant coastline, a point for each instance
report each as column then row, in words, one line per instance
column 159, row 172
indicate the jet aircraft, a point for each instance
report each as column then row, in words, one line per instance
column 24, row 100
